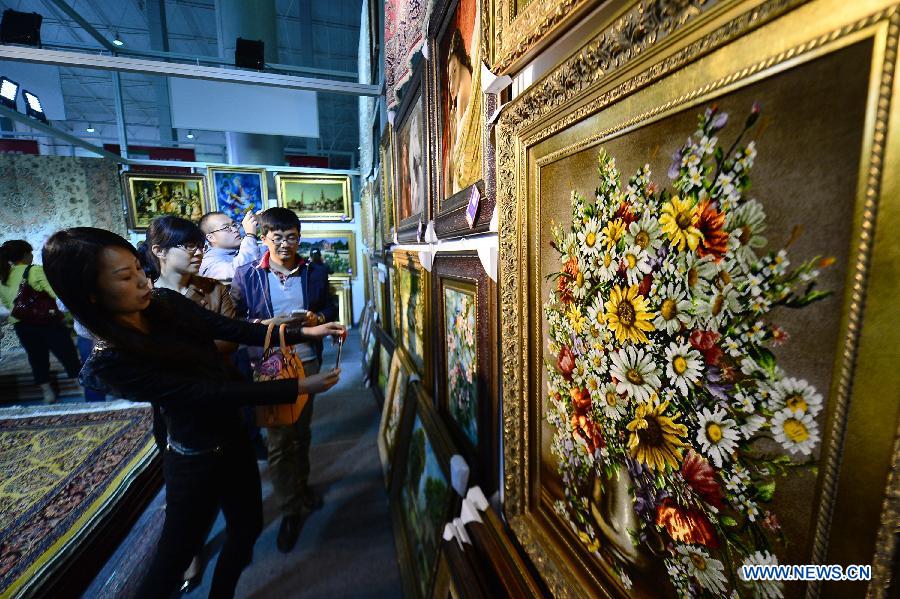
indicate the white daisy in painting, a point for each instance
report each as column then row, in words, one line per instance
column 708, row 572
column 635, row 372
column 796, row 395
column 752, row 425
column 637, row 264
column 607, row 265
column 683, row 366
column 763, row 589
column 593, row 383
column 674, row 310
column 581, row 284
column 796, row 431
column 613, row 404
column 716, row 305
column 717, row 435
column 695, row 270
column 645, row 234
column 589, row 237
column 597, row 360
column 708, row 144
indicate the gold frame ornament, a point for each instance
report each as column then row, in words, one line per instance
column 513, row 34
column 697, row 53
column 343, row 215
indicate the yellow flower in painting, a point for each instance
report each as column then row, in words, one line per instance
column 576, row 318
column 679, row 221
column 627, row 314
column 656, row 439
column 592, row 544
column 612, row 233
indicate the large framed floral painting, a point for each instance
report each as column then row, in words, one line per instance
column 422, row 499
column 696, row 296
column 237, row 191
column 466, row 366
column 411, row 297
column 393, row 410
column 148, row 196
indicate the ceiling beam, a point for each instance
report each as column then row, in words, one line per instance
column 58, row 133
column 89, row 29
column 124, row 64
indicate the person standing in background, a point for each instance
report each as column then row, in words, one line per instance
column 227, row 250
column 278, row 285
column 38, row 340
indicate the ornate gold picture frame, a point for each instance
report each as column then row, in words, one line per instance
column 340, row 287
column 411, row 290
column 709, row 60
column 149, row 195
column 316, row 197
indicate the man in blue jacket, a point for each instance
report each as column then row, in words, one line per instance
column 276, row 285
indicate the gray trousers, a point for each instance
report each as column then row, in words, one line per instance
column 289, row 455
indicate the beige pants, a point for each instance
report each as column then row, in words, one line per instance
column 289, row 455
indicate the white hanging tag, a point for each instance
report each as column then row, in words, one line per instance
column 468, row 513
column 426, row 258
column 430, row 235
column 391, row 114
column 487, row 253
column 459, row 474
column 476, row 497
column 461, row 532
column 490, row 83
column 495, row 221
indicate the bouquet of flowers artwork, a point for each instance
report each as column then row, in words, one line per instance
column 459, row 316
column 664, row 394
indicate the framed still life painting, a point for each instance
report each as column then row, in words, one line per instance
column 237, row 191
column 148, row 196
column 393, row 410
column 336, row 249
column 316, row 197
column 410, row 288
column 466, row 367
column 411, row 158
column 698, row 279
column 422, row 498
column 457, row 122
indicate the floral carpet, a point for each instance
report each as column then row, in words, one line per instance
column 62, row 470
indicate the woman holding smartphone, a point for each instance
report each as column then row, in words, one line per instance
column 158, row 347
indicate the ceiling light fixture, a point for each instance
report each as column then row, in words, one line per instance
column 33, row 106
column 90, row 128
column 8, row 91
column 190, row 135
column 117, row 41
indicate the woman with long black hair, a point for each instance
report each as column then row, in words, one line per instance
column 158, row 346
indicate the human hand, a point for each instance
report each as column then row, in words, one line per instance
column 319, row 383
column 332, row 329
column 250, row 224
column 291, row 319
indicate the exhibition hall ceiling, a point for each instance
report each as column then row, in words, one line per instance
column 317, row 34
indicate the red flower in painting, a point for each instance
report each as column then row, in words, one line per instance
column 712, row 225
column 686, row 525
column 563, row 290
column 624, row 212
column 583, row 428
column 581, row 400
column 705, row 343
column 566, row 362
column 701, row 477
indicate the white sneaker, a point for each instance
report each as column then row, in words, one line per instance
column 49, row 395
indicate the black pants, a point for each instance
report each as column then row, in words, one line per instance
column 39, row 340
column 196, row 486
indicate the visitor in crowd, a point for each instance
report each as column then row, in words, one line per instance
column 278, row 285
column 158, row 346
column 227, row 250
column 39, row 333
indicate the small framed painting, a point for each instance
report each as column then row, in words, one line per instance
column 335, row 249
column 411, row 309
column 316, row 197
column 395, row 399
column 237, row 191
column 340, row 287
column 149, row 196
column 383, row 373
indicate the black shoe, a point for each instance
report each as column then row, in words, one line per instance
column 288, row 533
column 312, row 501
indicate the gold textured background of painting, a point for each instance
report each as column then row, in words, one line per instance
column 745, row 39
column 805, row 174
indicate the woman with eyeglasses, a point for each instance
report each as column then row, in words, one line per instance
column 157, row 346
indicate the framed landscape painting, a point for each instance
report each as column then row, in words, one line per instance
column 316, row 197
column 466, row 361
column 337, row 250
column 411, row 309
column 392, row 412
column 148, row 196
column 237, row 191
column 698, row 281
column 422, row 498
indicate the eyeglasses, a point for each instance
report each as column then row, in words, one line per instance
column 232, row 226
column 289, row 240
column 191, row 248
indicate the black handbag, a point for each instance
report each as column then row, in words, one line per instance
column 34, row 307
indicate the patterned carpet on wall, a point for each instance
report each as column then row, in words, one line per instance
column 64, row 470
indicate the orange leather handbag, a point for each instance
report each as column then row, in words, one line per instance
column 279, row 363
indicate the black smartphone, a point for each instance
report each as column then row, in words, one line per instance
column 337, row 363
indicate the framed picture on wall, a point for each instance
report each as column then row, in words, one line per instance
column 377, row 235
column 381, row 295
column 466, row 367
column 340, row 287
column 337, row 250
column 393, row 410
column 457, row 121
column 148, row 196
column 237, row 191
column 316, row 197
column 383, row 372
column 411, row 157
column 388, row 189
column 734, row 411
column 422, row 498
column 411, row 309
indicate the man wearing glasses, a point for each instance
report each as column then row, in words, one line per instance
column 227, row 249
column 280, row 284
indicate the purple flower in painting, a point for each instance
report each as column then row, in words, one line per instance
column 714, row 383
column 675, row 169
column 720, row 121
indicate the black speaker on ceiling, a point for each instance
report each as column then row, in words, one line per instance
column 21, row 28
column 250, row 54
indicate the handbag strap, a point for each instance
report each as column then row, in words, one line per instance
column 24, row 281
column 268, row 337
column 285, row 348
